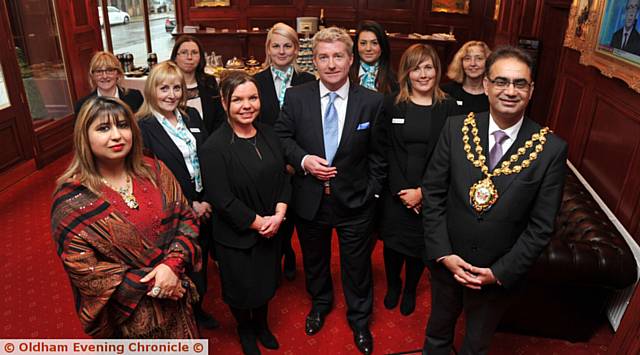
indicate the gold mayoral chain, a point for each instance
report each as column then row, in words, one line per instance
column 126, row 193
column 483, row 194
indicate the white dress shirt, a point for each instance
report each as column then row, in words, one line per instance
column 341, row 107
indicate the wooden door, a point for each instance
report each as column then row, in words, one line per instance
column 16, row 130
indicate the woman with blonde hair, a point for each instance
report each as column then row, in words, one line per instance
column 280, row 73
column 466, row 72
column 105, row 74
column 173, row 133
column 412, row 123
column 124, row 231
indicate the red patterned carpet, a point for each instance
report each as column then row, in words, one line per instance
column 37, row 301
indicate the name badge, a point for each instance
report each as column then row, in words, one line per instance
column 397, row 120
column 195, row 130
column 459, row 103
column 363, row 125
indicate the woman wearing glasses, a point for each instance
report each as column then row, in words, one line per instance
column 104, row 74
column 412, row 124
column 280, row 73
column 202, row 89
column 466, row 72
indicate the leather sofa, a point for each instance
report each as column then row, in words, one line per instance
column 586, row 261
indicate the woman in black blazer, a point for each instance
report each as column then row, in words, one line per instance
column 202, row 89
column 371, row 65
column 245, row 181
column 105, row 72
column 174, row 133
column 280, row 68
column 466, row 72
column 412, row 123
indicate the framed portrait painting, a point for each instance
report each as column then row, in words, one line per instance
column 607, row 34
column 450, row 6
column 212, row 3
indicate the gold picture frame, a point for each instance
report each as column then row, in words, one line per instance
column 593, row 35
column 450, row 6
column 212, row 3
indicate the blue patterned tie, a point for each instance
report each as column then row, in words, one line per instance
column 330, row 128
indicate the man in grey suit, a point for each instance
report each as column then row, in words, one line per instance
column 487, row 218
column 327, row 131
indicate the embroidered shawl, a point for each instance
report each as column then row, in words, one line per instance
column 105, row 257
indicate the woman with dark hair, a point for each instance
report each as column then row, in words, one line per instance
column 281, row 72
column 202, row 89
column 466, row 72
column 412, row 123
column 124, row 231
column 173, row 133
column 243, row 167
column 371, row 66
column 105, row 73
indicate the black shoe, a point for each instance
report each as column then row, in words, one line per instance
column 363, row 340
column 314, row 322
column 392, row 297
column 408, row 304
column 248, row 341
column 267, row 339
column 206, row 321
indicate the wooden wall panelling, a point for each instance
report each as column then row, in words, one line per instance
column 530, row 17
column 568, row 114
column 609, row 149
column 11, row 152
column 553, row 25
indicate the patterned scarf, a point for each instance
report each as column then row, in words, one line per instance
column 285, row 77
column 368, row 79
column 181, row 131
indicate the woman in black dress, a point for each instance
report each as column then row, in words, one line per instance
column 466, row 72
column 202, row 89
column 105, row 73
column 245, row 181
column 371, row 65
column 173, row 133
column 280, row 73
column 412, row 123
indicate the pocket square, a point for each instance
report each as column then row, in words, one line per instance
column 362, row 126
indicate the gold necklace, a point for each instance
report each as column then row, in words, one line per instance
column 125, row 192
column 483, row 194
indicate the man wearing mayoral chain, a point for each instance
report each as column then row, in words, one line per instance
column 488, row 217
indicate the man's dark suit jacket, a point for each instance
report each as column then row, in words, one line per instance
column 158, row 142
column 131, row 97
column 213, row 113
column 396, row 154
column 509, row 237
column 633, row 43
column 269, row 104
column 359, row 159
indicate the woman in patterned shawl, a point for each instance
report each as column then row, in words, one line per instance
column 124, row 231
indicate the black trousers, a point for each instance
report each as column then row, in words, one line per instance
column 393, row 261
column 356, row 242
column 286, row 232
column 483, row 310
